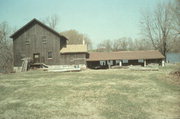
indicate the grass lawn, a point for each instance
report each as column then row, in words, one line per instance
column 90, row 94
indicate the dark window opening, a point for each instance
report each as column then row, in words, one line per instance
column 27, row 42
column 125, row 61
column 50, row 55
column 36, row 57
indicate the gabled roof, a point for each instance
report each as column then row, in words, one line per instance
column 32, row 22
column 80, row 48
column 125, row 55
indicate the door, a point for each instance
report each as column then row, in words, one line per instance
column 36, row 57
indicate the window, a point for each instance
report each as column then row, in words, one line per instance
column 110, row 62
column 36, row 56
column 27, row 42
column 125, row 61
column 102, row 63
column 140, row 60
column 50, row 55
column 118, row 61
column 44, row 39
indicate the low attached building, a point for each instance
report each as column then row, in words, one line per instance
column 74, row 55
column 124, row 58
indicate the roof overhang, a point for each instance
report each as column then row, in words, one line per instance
column 125, row 55
column 94, row 60
column 32, row 22
column 74, row 52
column 76, row 48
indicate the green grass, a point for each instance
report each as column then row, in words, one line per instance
column 90, row 94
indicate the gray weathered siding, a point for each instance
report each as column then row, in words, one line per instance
column 73, row 58
column 34, row 35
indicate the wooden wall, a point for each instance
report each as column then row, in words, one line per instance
column 31, row 41
column 73, row 58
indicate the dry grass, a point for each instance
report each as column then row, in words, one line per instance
column 91, row 94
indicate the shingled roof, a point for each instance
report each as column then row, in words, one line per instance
column 32, row 22
column 125, row 55
column 80, row 48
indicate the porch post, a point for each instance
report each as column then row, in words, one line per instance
column 120, row 63
column 144, row 63
column 109, row 65
column 163, row 62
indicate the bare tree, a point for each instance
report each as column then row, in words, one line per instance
column 176, row 17
column 52, row 21
column 157, row 27
column 6, row 60
column 105, row 46
column 120, row 44
column 74, row 37
column 140, row 44
column 175, row 7
column 123, row 44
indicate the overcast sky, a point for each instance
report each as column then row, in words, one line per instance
column 98, row 19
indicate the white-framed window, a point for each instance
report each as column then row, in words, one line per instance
column 110, row 62
column 118, row 61
column 140, row 60
column 125, row 61
column 50, row 55
column 102, row 63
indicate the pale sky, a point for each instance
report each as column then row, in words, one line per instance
column 98, row 19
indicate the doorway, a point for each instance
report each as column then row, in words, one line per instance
column 36, row 57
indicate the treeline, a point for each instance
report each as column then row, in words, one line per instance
column 6, row 52
column 128, row 44
column 74, row 37
column 123, row 44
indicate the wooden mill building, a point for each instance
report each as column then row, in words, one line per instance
column 42, row 44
